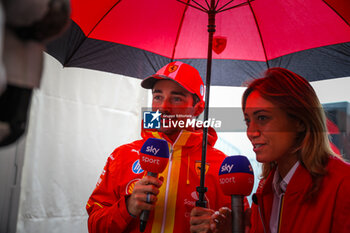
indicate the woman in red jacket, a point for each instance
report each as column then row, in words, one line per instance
column 305, row 187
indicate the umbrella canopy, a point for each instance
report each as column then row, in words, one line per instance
column 136, row 38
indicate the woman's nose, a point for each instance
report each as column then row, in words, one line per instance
column 253, row 131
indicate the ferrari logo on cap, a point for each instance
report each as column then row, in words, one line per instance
column 172, row 68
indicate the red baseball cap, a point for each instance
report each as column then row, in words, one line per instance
column 185, row 75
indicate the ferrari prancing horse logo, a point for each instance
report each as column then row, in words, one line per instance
column 172, row 68
column 197, row 165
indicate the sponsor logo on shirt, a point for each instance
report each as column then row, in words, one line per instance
column 130, row 186
column 136, row 167
column 133, row 150
column 101, row 177
column 194, row 197
column 197, row 165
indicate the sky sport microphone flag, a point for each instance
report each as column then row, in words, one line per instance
column 236, row 176
column 154, row 155
column 236, row 179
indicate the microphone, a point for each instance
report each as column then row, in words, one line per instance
column 236, row 178
column 154, row 157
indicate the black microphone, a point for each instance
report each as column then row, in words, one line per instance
column 236, row 179
column 154, row 157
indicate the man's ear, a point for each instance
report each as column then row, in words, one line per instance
column 199, row 108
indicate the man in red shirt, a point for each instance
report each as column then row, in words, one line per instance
column 121, row 193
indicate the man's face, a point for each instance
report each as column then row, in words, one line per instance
column 175, row 103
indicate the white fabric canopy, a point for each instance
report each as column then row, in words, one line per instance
column 77, row 118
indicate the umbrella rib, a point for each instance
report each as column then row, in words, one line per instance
column 217, row 3
column 187, row 4
column 337, row 13
column 229, row 8
column 260, row 35
column 149, row 61
column 205, row 9
column 178, row 31
column 77, row 48
column 206, row 2
column 225, row 5
column 103, row 17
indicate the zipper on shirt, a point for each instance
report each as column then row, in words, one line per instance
column 167, row 188
column 168, row 183
column 280, row 214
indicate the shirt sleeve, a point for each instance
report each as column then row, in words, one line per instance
column 106, row 206
column 341, row 219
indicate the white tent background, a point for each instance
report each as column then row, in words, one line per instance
column 77, row 118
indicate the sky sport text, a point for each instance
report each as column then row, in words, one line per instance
column 151, row 149
column 150, row 160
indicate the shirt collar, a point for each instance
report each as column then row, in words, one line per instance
column 280, row 185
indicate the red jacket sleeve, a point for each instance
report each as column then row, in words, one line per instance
column 106, row 206
column 341, row 216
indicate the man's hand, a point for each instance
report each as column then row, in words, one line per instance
column 137, row 202
column 201, row 220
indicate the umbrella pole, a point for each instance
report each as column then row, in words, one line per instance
column 201, row 189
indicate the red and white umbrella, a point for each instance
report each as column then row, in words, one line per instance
column 138, row 37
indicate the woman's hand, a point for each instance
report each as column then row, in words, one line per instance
column 222, row 221
column 209, row 221
column 206, row 220
column 201, row 220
